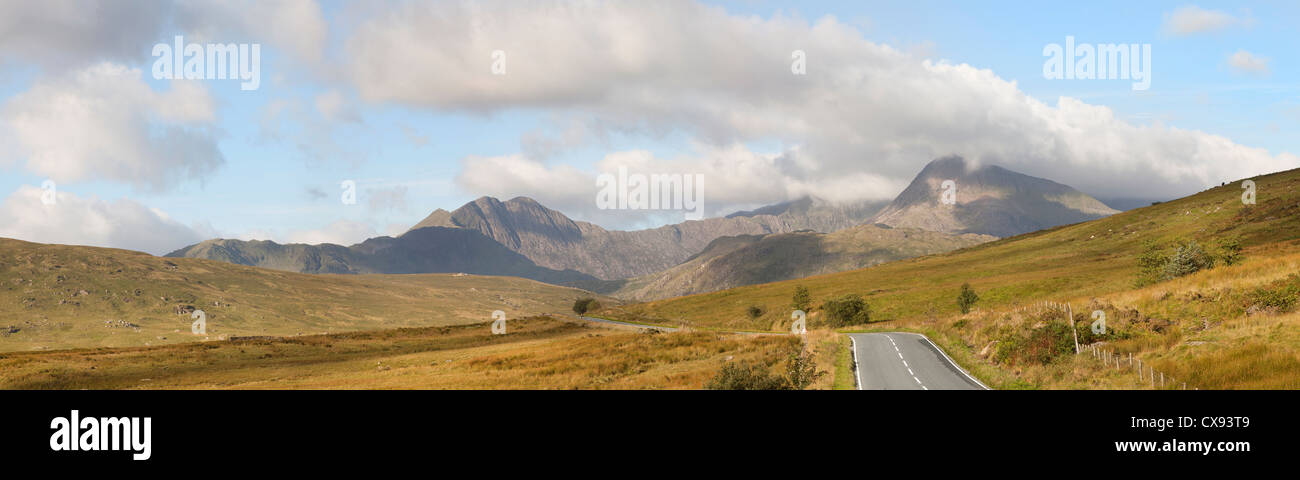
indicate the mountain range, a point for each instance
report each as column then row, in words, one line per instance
column 521, row 237
column 752, row 259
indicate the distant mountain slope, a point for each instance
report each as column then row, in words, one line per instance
column 423, row 250
column 552, row 240
column 751, row 259
column 1066, row 263
column 990, row 200
column 63, row 296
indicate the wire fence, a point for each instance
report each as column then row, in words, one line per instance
column 1147, row 375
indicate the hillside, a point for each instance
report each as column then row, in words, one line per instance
column 423, row 250
column 746, row 260
column 1080, row 260
column 59, row 296
column 990, row 200
column 520, row 237
column 552, row 240
column 1230, row 326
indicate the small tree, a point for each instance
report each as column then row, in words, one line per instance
column 802, row 299
column 966, row 298
column 584, row 305
column 754, row 311
column 1152, row 262
column 801, row 369
column 849, row 309
column 1189, row 258
column 1230, row 250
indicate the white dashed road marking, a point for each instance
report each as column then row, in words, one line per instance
column 905, row 365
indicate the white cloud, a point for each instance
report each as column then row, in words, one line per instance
column 297, row 27
column 1247, row 62
column 104, row 122
column 339, row 232
column 865, row 116
column 1191, row 20
column 74, row 220
column 559, row 186
column 334, row 107
column 71, row 33
column 733, row 178
column 62, row 34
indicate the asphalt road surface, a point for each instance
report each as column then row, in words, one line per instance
column 626, row 324
column 906, row 361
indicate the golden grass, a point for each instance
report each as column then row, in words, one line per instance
column 130, row 299
column 538, row 353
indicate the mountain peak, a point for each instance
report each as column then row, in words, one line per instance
column 439, row 218
column 989, row 199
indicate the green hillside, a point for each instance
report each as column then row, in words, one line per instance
column 1073, row 261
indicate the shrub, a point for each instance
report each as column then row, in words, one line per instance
column 1152, row 262
column 802, row 300
column 584, row 305
column 1283, row 295
column 745, row 377
column 966, row 298
column 754, row 311
column 849, row 309
column 801, row 370
column 1040, row 346
column 1189, row 258
column 1230, row 250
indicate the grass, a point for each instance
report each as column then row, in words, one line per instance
column 1091, row 264
column 58, row 297
column 538, row 353
column 1092, row 258
column 1203, row 330
column 844, row 374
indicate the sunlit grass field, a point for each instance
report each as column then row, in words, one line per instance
column 58, row 296
column 535, row 353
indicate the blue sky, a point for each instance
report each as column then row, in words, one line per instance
column 283, row 155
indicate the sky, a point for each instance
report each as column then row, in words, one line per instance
column 426, row 105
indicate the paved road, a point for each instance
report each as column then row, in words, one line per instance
column 626, row 324
column 906, row 361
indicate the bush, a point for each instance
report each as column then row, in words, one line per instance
column 745, row 377
column 802, row 300
column 966, row 298
column 1282, row 297
column 584, row 305
column 1041, row 346
column 1152, row 262
column 1189, row 258
column 754, row 311
column 849, row 309
column 1230, row 250
column 800, row 369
